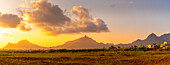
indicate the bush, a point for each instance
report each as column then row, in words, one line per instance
column 112, row 48
column 51, row 51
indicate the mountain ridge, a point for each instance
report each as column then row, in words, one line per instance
column 83, row 43
column 88, row 43
column 152, row 38
column 23, row 45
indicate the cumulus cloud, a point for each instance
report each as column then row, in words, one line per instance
column 85, row 23
column 51, row 19
column 13, row 21
column 43, row 12
column 9, row 20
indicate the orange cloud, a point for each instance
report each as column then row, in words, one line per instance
column 25, row 27
column 90, row 24
column 51, row 19
column 13, row 21
column 9, row 20
column 43, row 12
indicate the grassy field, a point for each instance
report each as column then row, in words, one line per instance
column 88, row 58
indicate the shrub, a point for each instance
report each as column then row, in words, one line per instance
column 51, row 51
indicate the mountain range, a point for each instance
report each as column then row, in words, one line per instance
column 88, row 43
column 83, row 43
column 23, row 45
column 152, row 38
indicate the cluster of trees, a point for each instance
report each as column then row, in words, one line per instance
column 135, row 48
column 75, row 50
column 111, row 48
column 57, row 50
column 140, row 48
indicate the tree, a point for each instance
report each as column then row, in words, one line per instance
column 135, row 46
column 154, row 44
column 112, row 47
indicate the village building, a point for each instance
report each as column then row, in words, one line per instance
column 165, row 45
column 150, row 46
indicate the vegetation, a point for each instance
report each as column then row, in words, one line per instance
column 133, row 55
column 140, row 48
column 88, row 58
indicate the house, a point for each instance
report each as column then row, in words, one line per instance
column 150, row 46
column 165, row 45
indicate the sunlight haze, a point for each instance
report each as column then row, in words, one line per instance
column 109, row 21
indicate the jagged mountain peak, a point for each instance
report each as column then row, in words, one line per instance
column 83, row 43
column 151, row 36
column 24, row 42
column 85, row 38
column 23, row 45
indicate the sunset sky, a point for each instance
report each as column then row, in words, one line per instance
column 54, row 22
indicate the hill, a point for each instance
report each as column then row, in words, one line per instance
column 82, row 43
column 23, row 45
column 152, row 38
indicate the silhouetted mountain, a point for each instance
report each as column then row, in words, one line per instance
column 83, row 43
column 23, row 45
column 152, row 38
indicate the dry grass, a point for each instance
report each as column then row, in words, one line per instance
column 88, row 58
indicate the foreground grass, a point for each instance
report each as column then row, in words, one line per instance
column 88, row 58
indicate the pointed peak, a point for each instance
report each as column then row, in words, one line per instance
column 85, row 36
column 23, row 41
column 152, row 35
